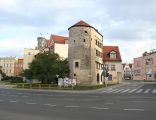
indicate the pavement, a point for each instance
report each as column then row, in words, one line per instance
column 18, row 104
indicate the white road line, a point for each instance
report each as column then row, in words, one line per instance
column 139, row 91
column 100, row 108
column 147, row 91
column 49, row 105
column 132, row 90
column 125, row 91
column 108, row 103
column 118, row 91
column 13, row 101
column 110, row 91
column 134, row 109
column 72, row 106
column 31, row 103
column 154, row 91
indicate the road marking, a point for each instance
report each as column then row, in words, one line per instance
column 118, row 91
column 13, row 101
column 1, row 100
column 100, row 108
column 137, row 101
column 31, row 103
column 49, row 105
column 108, row 103
column 146, row 91
column 154, row 91
column 113, row 90
column 134, row 109
column 132, row 90
column 125, row 91
column 72, row 106
column 139, row 91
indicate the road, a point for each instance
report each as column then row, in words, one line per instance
column 130, row 101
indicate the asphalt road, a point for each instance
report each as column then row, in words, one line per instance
column 98, row 105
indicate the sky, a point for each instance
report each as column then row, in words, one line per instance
column 129, row 24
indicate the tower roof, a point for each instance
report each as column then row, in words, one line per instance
column 82, row 23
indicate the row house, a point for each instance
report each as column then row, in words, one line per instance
column 145, row 67
column 11, row 66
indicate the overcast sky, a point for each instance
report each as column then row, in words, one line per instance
column 129, row 24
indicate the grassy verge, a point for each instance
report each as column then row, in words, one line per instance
column 55, row 87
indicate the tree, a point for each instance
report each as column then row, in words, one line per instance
column 46, row 66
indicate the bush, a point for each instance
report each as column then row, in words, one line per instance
column 16, row 80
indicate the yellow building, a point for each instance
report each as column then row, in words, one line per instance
column 29, row 56
column 7, row 64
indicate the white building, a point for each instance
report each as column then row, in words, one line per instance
column 112, row 61
column 57, row 44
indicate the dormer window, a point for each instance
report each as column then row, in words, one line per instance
column 113, row 55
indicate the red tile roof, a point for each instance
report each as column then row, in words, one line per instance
column 82, row 23
column 107, row 50
column 58, row 39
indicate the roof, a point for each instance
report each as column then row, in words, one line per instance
column 82, row 23
column 107, row 50
column 58, row 39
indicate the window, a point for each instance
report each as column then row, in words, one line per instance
column 76, row 64
column 107, row 66
column 84, row 40
column 86, row 31
column 113, row 68
column 96, row 42
column 112, row 55
column 74, row 41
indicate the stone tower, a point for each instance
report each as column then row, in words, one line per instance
column 42, row 44
column 85, row 54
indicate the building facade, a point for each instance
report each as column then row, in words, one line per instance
column 7, row 65
column 127, row 71
column 145, row 67
column 18, row 67
column 57, row 44
column 29, row 55
column 85, row 54
column 113, row 62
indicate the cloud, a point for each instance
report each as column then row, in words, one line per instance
column 129, row 24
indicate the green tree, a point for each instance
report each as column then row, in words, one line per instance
column 46, row 66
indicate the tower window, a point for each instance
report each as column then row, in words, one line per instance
column 76, row 64
column 74, row 41
column 84, row 40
